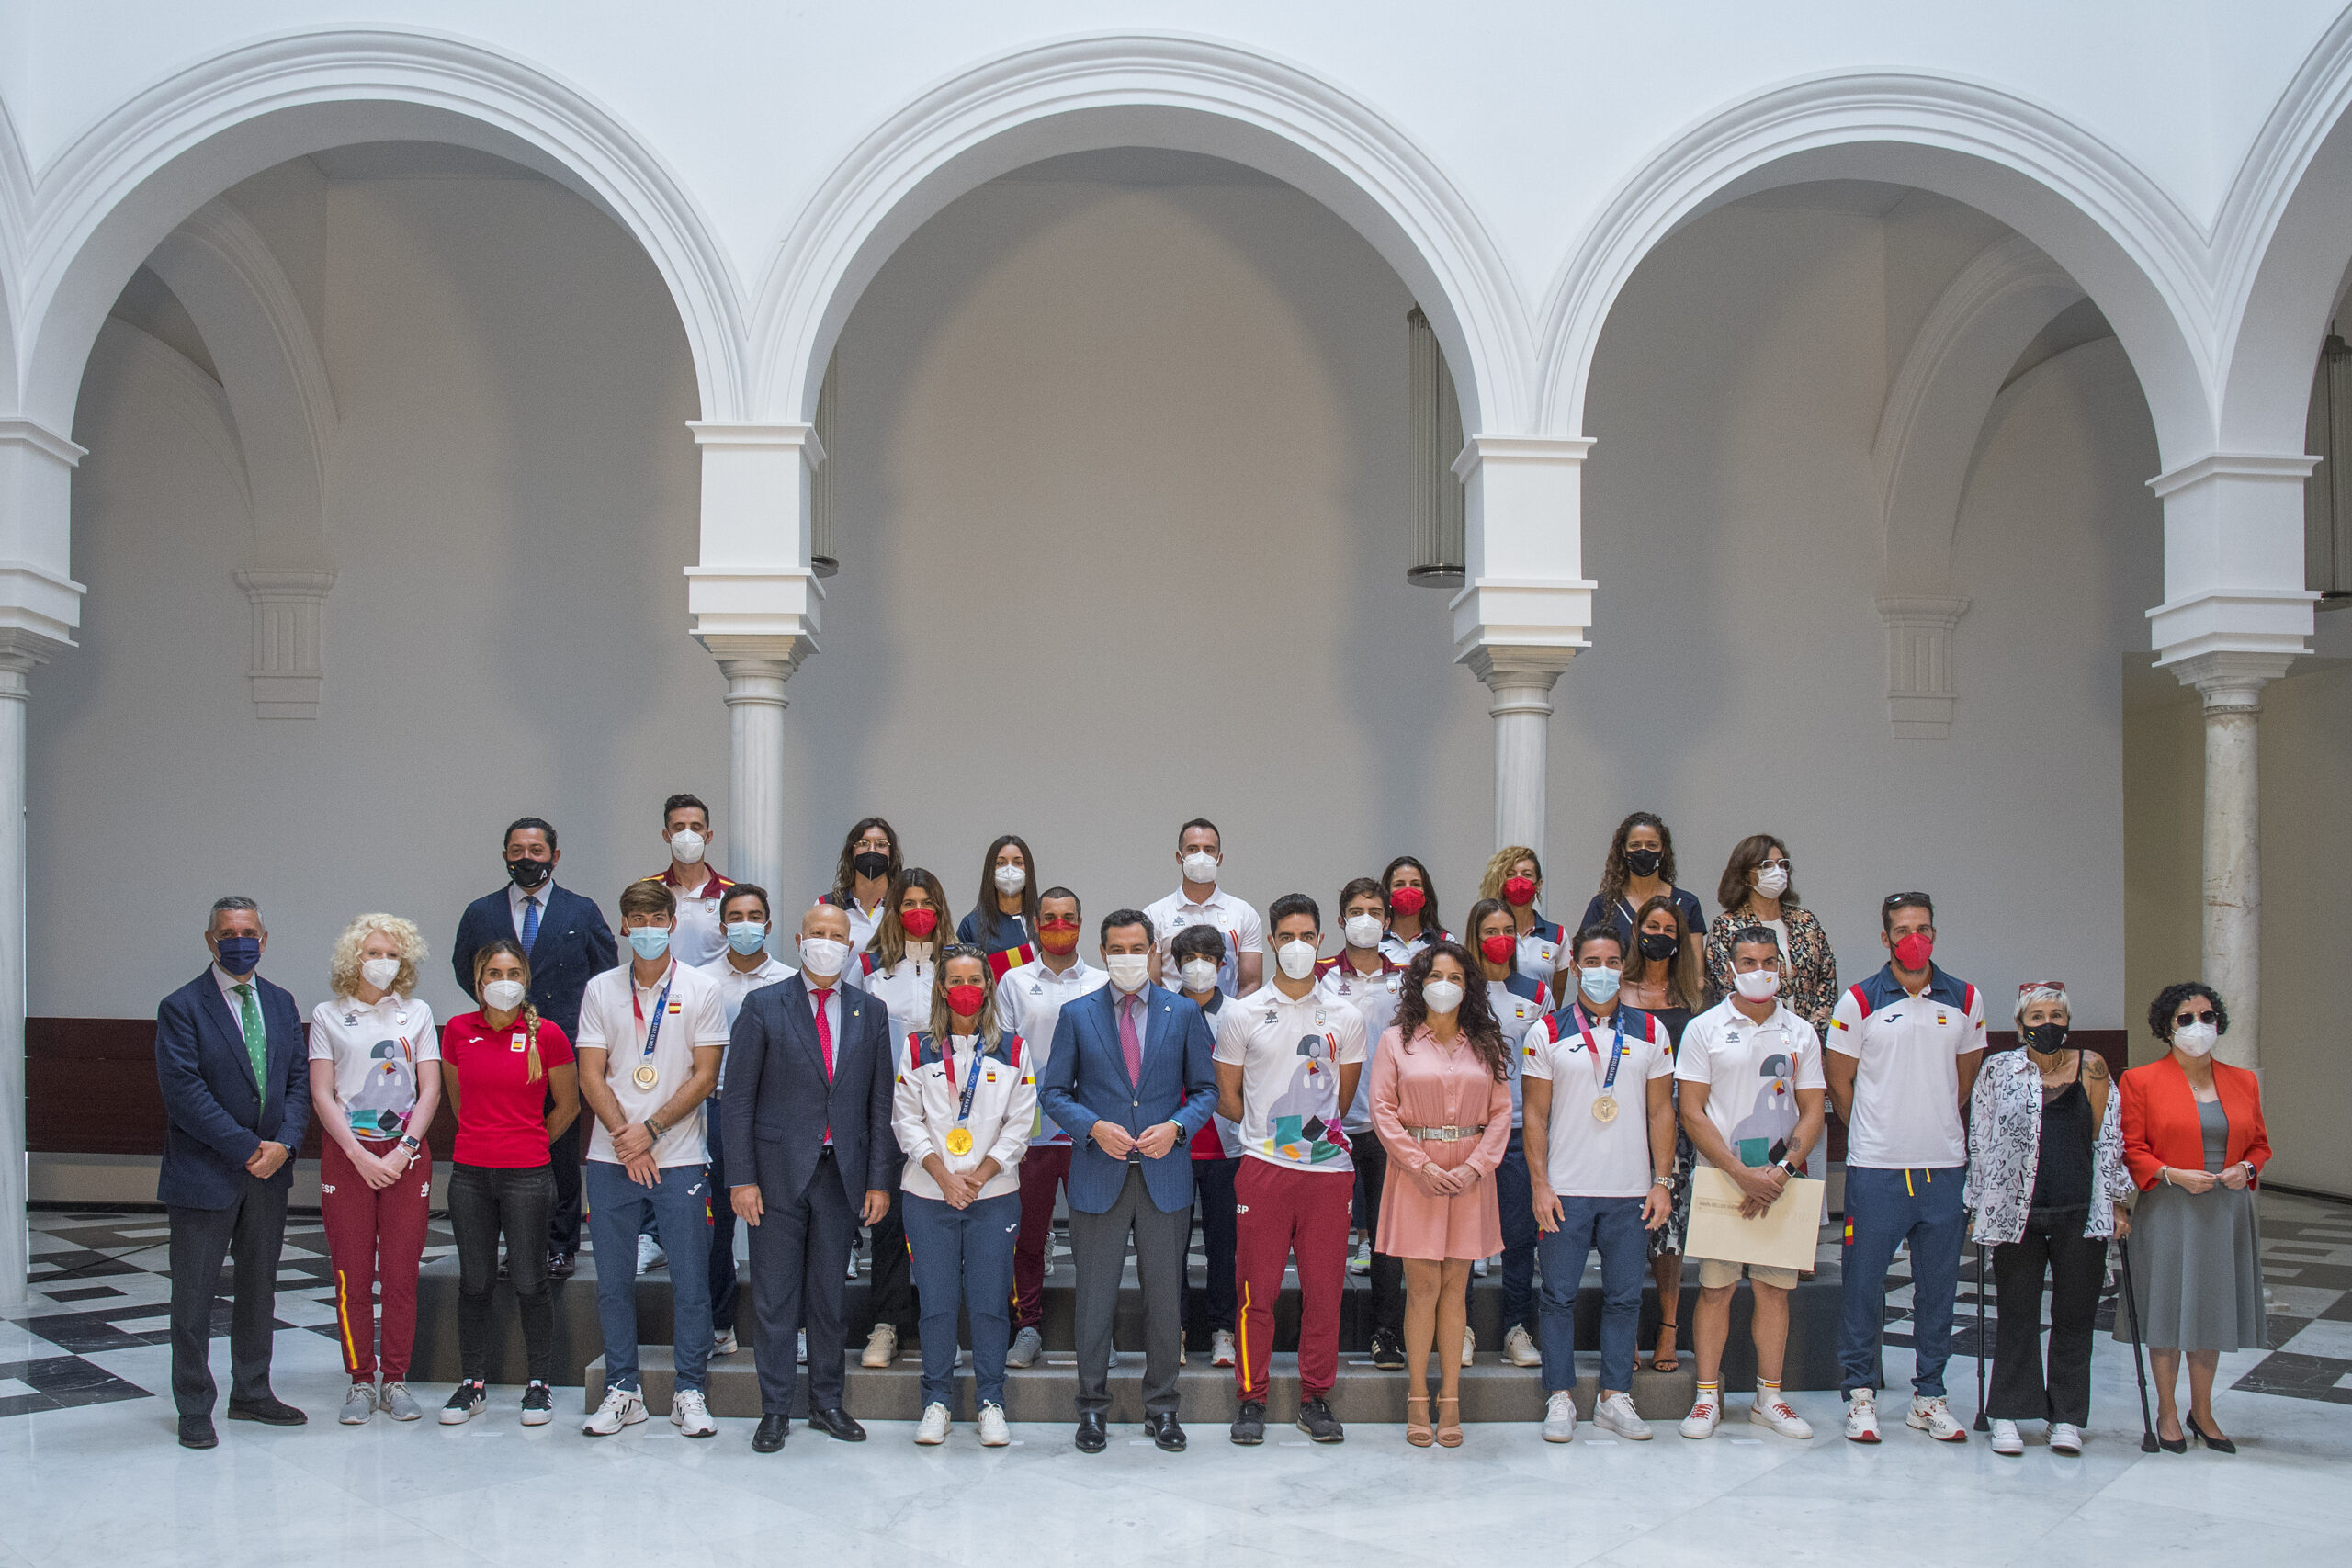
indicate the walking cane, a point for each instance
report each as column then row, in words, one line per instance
column 1981, row 1424
column 2139, row 1369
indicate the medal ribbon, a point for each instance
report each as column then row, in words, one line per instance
column 661, row 1006
column 1617, row 1052
column 971, row 1084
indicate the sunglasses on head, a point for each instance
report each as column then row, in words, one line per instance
column 1895, row 899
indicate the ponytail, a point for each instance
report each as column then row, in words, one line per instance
column 534, row 1071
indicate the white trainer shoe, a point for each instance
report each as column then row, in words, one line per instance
column 2007, row 1438
column 2066, row 1438
column 690, row 1414
column 1222, row 1349
column 1027, row 1347
column 800, row 1350
column 1469, row 1344
column 1519, row 1348
column 934, row 1429
column 1361, row 1262
column 1706, row 1413
column 1560, row 1417
column 1478, row 1267
column 1861, row 1416
column 358, row 1404
column 1615, row 1413
column 1934, row 1417
column 395, row 1401
column 881, row 1347
column 724, row 1343
column 994, row 1433
column 622, row 1407
column 650, row 1255
column 1779, row 1415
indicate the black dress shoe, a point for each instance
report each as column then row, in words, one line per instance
column 269, row 1410
column 1093, row 1437
column 770, row 1435
column 196, row 1432
column 1161, row 1427
column 561, row 1265
column 1250, row 1425
column 2212, row 1441
column 837, row 1423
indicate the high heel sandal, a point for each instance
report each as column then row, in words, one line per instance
column 2213, row 1440
column 1418, row 1433
column 1449, row 1433
column 1670, row 1359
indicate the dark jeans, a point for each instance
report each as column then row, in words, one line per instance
column 485, row 1199
column 564, row 1155
column 254, row 1228
column 1387, row 1273
column 722, row 1225
column 1515, row 1194
column 2077, row 1264
column 1212, row 1185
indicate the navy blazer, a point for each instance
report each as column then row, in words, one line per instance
column 215, row 1115
column 1086, row 1081
column 574, row 946
column 778, row 1105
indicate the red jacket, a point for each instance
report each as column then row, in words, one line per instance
column 2160, row 1126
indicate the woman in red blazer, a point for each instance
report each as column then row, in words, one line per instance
column 2193, row 1141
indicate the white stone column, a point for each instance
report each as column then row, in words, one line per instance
column 1522, row 680
column 2232, row 686
column 756, row 670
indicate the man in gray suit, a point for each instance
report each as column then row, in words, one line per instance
column 1130, row 1077
column 809, row 1152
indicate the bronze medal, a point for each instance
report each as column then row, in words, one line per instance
column 647, row 1076
column 1604, row 1109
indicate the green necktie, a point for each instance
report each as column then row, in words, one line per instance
column 256, row 1038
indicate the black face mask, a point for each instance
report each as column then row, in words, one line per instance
column 1657, row 945
column 2047, row 1038
column 528, row 873
column 871, row 864
column 1642, row 863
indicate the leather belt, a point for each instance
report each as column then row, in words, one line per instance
column 1446, row 1134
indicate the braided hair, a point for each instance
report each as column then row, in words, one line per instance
column 508, row 948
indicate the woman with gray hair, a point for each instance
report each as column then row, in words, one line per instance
column 2047, row 1186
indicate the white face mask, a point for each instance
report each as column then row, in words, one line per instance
column 1440, row 997
column 822, row 957
column 1297, row 959
column 1012, row 879
column 506, row 996
column 1200, row 974
column 1759, row 985
column 1200, row 866
column 1128, row 970
column 686, row 846
column 2197, row 1039
column 380, row 972
column 1364, row 930
column 1772, row 881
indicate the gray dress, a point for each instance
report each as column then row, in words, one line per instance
column 2196, row 1259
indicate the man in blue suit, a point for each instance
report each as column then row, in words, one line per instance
column 1130, row 1077
column 568, row 944
column 231, row 1064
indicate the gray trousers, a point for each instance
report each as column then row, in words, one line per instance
column 254, row 1228
column 1098, row 1244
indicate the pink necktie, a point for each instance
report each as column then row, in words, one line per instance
column 1130, row 1044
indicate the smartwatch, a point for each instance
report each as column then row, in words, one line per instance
column 408, row 1142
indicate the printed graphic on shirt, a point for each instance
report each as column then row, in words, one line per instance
column 1301, row 1124
column 380, row 1108
column 1760, row 1137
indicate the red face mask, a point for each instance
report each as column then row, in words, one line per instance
column 920, row 923
column 1519, row 890
column 966, row 1000
column 1057, row 940
column 1406, row 900
column 1912, row 951
column 1498, row 949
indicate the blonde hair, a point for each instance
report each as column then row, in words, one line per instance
column 343, row 969
column 528, row 1015
column 943, row 1017
column 1500, row 867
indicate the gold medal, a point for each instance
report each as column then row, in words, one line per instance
column 959, row 1141
column 1605, row 1107
column 647, row 1076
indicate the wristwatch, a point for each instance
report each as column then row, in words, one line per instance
column 408, row 1141
column 1665, row 1181
column 1787, row 1165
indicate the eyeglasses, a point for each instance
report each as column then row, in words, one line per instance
column 1897, row 900
column 1783, row 864
column 2207, row 1015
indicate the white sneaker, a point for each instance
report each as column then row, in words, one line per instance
column 650, row 1255
column 690, row 1414
column 622, row 1407
column 2007, row 1439
column 1861, row 1416
column 1027, row 1346
column 994, row 1433
column 800, row 1350
column 1478, row 1267
column 1560, row 1417
column 1469, row 1343
column 1934, row 1417
column 724, row 1343
column 1706, row 1415
column 1221, row 1348
column 358, row 1404
column 1361, row 1262
column 2066, row 1438
column 1519, row 1348
column 1776, row 1413
column 881, row 1347
column 934, row 1429
column 1615, row 1413
column 395, row 1401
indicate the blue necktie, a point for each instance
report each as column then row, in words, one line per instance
column 530, row 922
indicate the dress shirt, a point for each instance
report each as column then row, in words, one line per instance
column 514, row 896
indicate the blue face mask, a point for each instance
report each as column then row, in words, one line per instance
column 238, row 954
column 650, row 941
column 746, row 937
column 1599, row 985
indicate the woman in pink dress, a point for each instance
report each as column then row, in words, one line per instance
column 1440, row 1102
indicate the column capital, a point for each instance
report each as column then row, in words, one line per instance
column 1919, row 691
column 20, row 650
column 1520, row 676
column 289, row 637
column 2233, row 557
column 756, row 667
column 2231, row 681
column 785, row 434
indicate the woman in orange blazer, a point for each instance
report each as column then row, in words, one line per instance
column 2194, row 1143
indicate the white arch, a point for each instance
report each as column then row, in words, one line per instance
column 16, row 203
column 2115, row 231
column 114, row 193
column 1141, row 90
column 178, row 383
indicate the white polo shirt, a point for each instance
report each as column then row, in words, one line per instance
column 1029, row 1002
column 1231, row 916
column 1753, row 1072
column 735, row 984
column 905, row 989
column 615, row 1014
column 1588, row 1158
column 1375, row 997
column 695, row 935
column 1290, row 1053
column 1540, row 947
column 1399, row 951
column 375, row 1049
column 1906, row 1078
column 1521, row 1003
